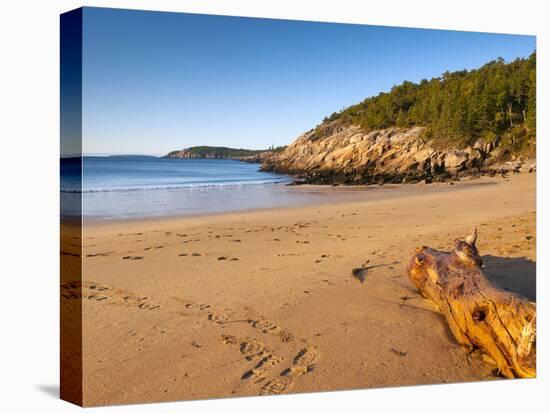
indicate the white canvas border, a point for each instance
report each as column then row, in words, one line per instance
column 29, row 238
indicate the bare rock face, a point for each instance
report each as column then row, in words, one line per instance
column 259, row 158
column 349, row 155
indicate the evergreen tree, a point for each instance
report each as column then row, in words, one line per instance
column 498, row 99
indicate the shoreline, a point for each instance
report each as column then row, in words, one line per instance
column 332, row 195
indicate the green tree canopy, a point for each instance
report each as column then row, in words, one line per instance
column 498, row 99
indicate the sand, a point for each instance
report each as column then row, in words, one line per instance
column 265, row 302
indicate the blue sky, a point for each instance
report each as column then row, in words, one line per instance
column 155, row 82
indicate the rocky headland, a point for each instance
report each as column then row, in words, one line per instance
column 207, row 152
column 347, row 154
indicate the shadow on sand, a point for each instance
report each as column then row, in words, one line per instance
column 515, row 274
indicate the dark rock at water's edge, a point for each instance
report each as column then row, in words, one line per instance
column 348, row 155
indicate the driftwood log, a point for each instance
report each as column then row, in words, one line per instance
column 481, row 316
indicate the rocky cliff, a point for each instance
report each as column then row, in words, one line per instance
column 349, row 155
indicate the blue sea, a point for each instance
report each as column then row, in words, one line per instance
column 132, row 187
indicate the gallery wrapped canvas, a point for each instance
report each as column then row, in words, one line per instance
column 259, row 207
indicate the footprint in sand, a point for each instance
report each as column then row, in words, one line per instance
column 307, row 357
column 261, row 368
column 132, row 257
column 86, row 290
column 99, row 292
column 218, row 317
column 229, row 339
column 265, row 371
column 193, row 305
column 102, row 254
column 269, row 327
column 264, row 325
column 252, row 348
column 304, row 362
column 148, row 306
column 69, row 294
column 231, row 259
column 277, row 386
column 285, row 336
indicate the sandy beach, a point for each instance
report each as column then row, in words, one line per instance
column 264, row 302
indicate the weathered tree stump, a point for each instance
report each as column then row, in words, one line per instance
column 481, row 316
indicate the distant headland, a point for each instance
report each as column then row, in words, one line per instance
column 207, row 152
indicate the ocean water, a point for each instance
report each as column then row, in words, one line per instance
column 132, row 187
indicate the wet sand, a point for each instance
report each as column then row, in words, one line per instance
column 265, row 302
